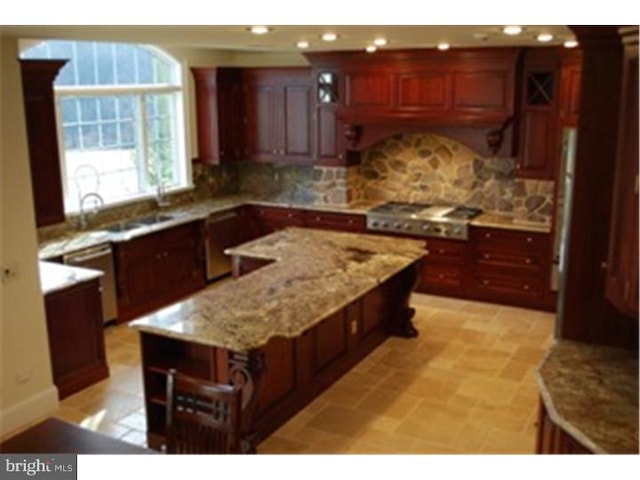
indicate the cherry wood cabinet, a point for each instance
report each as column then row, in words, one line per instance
column 551, row 439
column 538, row 139
column 335, row 221
column 571, row 77
column 156, row 269
column 511, row 267
column 271, row 219
column 463, row 87
column 75, row 334
column 279, row 108
column 622, row 262
column 220, row 114
column 42, row 136
column 445, row 269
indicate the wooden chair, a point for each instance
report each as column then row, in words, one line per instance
column 202, row 417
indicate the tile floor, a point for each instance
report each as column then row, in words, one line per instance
column 466, row 385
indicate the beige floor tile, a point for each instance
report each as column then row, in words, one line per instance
column 465, row 385
column 339, row 420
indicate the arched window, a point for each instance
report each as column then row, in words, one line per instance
column 121, row 119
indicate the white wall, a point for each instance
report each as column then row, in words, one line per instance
column 23, row 333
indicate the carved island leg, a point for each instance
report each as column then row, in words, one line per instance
column 403, row 325
column 245, row 373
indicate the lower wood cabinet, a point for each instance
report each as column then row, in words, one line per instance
column 511, row 267
column 553, row 439
column 159, row 268
column 445, row 268
column 76, row 340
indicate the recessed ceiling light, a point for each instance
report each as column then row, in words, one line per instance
column 571, row 43
column 329, row 37
column 371, row 48
column 443, row 46
column 302, row 44
column 544, row 37
column 380, row 41
column 259, row 29
column 512, row 30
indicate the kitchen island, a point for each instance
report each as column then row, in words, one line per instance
column 286, row 331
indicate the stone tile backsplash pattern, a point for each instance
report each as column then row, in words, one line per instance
column 433, row 169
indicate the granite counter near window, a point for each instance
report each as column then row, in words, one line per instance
column 591, row 392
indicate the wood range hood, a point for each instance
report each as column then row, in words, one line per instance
column 467, row 94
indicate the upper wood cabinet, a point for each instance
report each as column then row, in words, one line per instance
column 464, row 87
column 220, row 114
column 622, row 263
column 570, row 88
column 42, row 136
column 537, row 120
column 279, row 108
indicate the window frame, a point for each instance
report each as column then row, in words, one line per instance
column 182, row 164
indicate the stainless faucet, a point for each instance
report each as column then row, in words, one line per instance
column 83, row 215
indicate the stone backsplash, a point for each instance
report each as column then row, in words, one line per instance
column 433, row 169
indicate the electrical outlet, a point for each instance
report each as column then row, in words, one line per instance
column 10, row 273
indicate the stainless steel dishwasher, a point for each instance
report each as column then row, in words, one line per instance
column 220, row 235
column 99, row 258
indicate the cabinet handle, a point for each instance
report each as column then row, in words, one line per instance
column 441, row 251
column 317, row 219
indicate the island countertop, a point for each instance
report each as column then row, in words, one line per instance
column 315, row 274
column 591, row 392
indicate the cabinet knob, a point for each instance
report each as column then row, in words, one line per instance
column 427, row 252
column 485, row 282
column 351, row 221
column 440, row 251
column 275, row 152
column 340, row 156
column 526, row 287
column 441, row 276
column 518, row 166
column 289, row 215
column 529, row 239
column 487, row 256
column 528, row 261
column 487, row 235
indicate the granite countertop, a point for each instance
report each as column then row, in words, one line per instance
column 55, row 276
column 591, row 392
column 509, row 222
column 79, row 240
column 315, row 274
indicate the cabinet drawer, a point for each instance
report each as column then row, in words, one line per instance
column 275, row 213
column 335, row 221
column 509, row 239
column 440, row 276
column 443, row 251
column 495, row 258
column 508, row 286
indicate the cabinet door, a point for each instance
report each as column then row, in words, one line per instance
column 46, row 179
column 219, row 114
column 296, row 135
column 486, row 92
column 570, row 93
column 181, row 261
column 76, row 340
column 538, row 144
column 369, row 90
column 263, row 118
column 622, row 264
column 429, row 91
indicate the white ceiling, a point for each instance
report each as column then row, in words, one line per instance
column 283, row 38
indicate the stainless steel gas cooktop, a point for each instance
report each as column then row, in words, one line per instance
column 425, row 220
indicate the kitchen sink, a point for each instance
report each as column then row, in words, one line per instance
column 139, row 223
column 152, row 219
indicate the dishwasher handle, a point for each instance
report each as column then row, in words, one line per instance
column 87, row 254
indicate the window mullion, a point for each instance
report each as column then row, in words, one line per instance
column 143, row 174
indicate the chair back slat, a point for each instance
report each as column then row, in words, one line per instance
column 202, row 416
